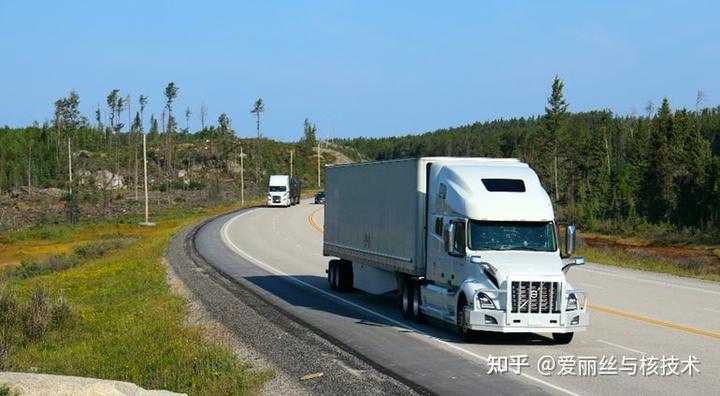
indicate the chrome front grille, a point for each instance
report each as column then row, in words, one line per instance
column 534, row 297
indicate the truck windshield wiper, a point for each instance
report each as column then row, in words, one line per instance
column 525, row 248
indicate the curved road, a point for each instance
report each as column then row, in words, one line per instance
column 633, row 314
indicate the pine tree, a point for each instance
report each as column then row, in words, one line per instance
column 659, row 190
column 154, row 129
column 694, row 161
column 258, row 108
column 549, row 136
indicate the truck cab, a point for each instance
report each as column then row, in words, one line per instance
column 279, row 191
column 494, row 259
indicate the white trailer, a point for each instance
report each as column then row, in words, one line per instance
column 469, row 241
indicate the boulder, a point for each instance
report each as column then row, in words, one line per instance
column 233, row 166
column 83, row 177
column 52, row 192
column 48, row 384
column 106, row 180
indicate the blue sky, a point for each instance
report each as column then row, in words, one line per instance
column 357, row 68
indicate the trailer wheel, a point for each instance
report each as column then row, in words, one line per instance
column 562, row 338
column 416, row 301
column 462, row 327
column 332, row 274
column 406, row 298
column 345, row 276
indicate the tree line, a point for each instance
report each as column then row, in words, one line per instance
column 662, row 167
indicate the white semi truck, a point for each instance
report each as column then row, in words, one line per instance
column 469, row 241
column 283, row 190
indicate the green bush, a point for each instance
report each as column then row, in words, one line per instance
column 9, row 319
column 36, row 316
column 98, row 249
column 5, row 391
column 58, row 263
column 61, row 315
column 28, row 269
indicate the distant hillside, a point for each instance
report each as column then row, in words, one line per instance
column 199, row 168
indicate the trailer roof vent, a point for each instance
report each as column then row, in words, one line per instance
column 504, row 185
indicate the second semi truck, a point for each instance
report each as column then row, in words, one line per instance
column 283, row 190
column 469, row 241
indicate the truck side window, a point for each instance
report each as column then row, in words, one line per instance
column 459, row 240
column 438, row 225
column 442, row 191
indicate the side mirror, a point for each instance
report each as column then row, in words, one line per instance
column 449, row 238
column 569, row 247
column 575, row 261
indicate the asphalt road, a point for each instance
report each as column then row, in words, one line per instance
column 635, row 317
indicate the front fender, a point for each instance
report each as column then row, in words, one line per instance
column 472, row 285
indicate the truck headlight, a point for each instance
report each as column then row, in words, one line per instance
column 572, row 303
column 483, row 301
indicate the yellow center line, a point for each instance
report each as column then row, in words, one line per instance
column 311, row 220
column 611, row 311
column 656, row 322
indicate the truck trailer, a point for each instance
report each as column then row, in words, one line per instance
column 468, row 241
column 283, row 190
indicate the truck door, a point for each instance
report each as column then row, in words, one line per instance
column 453, row 258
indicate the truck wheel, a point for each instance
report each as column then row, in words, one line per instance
column 345, row 276
column 462, row 327
column 562, row 338
column 332, row 274
column 406, row 298
column 416, row 301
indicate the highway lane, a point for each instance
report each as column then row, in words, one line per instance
column 633, row 313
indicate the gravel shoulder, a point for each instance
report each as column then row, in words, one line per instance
column 266, row 336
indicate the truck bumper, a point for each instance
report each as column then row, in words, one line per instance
column 283, row 202
column 498, row 321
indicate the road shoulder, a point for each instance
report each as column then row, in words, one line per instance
column 265, row 335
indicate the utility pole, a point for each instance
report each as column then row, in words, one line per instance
column 29, row 172
column 147, row 214
column 318, row 163
column 242, row 176
column 69, row 165
column 291, row 163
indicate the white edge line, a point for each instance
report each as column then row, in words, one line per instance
column 712, row 310
column 226, row 238
column 621, row 347
column 650, row 281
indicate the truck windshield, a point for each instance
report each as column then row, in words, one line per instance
column 277, row 188
column 512, row 235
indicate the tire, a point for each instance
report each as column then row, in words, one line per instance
column 345, row 276
column 562, row 338
column 416, row 302
column 332, row 274
column 406, row 298
column 463, row 331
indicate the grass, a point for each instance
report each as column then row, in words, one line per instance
column 693, row 267
column 127, row 323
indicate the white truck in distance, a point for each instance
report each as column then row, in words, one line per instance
column 469, row 241
column 283, row 190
